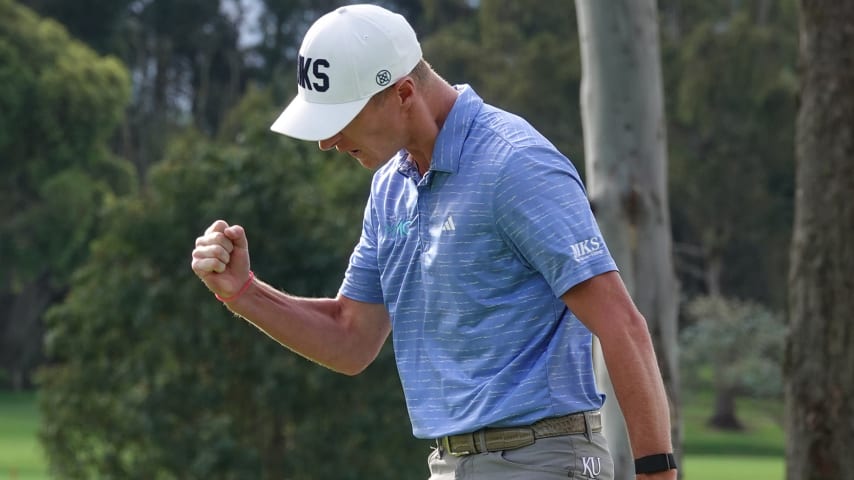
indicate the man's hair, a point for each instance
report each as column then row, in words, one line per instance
column 421, row 71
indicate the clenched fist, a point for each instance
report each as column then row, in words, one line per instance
column 221, row 258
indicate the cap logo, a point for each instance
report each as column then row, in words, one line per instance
column 383, row 78
column 310, row 74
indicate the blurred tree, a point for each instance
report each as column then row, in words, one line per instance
column 678, row 18
column 520, row 56
column 741, row 344
column 733, row 83
column 183, row 55
column 153, row 378
column 622, row 106
column 187, row 71
column 186, row 58
column 97, row 23
column 281, row 28
column 819, row 358
column 59, row 104
column 438, row 14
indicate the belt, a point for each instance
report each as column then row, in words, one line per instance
column 497, row 439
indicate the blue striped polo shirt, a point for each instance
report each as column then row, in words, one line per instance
column 470, row 261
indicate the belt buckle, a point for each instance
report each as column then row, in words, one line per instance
column 446, row 445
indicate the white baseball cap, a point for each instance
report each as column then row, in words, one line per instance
column 346, row 57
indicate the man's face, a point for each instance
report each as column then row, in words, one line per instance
column 375, row 135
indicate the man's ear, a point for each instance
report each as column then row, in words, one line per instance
column 405, row 90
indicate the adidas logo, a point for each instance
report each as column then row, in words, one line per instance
column 448, row 226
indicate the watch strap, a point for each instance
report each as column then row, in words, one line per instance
column 655, row 463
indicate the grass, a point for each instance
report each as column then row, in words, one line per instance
column 733, row 467
column 755, row 454
column 21, row 456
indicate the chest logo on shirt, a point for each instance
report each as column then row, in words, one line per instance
column 398, row 228
column 587, row 248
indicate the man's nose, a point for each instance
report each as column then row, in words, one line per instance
column 329, row 143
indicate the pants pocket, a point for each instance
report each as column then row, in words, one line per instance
column 551, row 457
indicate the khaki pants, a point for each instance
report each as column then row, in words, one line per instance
column 569, row 456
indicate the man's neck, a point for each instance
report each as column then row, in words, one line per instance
column 439, row 99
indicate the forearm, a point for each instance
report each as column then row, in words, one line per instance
column 639, row 389
column 640, row 393
column 604, row 306
column 323, row 330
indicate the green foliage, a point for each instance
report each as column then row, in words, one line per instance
column 740, row 342
column 59, row 106
column 63, row 101
column 731, row 103
column 95, row 22
column 183, row 55
column 155, row 379
column 520, row 56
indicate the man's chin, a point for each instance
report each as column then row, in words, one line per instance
column 372, row 164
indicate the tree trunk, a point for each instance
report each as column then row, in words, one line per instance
column 714, row 269
column 724, row 417
column 625, row 150
column 819, row 384
column 22, row 331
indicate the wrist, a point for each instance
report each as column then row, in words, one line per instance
column 240, row 292
column 655, row 464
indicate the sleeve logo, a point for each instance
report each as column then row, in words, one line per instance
column 587, row 248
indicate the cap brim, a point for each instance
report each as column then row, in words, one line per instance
column 316, row 121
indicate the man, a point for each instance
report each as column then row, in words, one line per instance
column 478, row 251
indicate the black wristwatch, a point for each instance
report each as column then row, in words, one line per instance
column 660, row 462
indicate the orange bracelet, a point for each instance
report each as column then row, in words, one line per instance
column 239, row 292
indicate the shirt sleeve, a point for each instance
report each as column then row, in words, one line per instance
column 542, row 210
column 362, row 278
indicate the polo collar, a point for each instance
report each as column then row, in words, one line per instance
column 449, row 143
